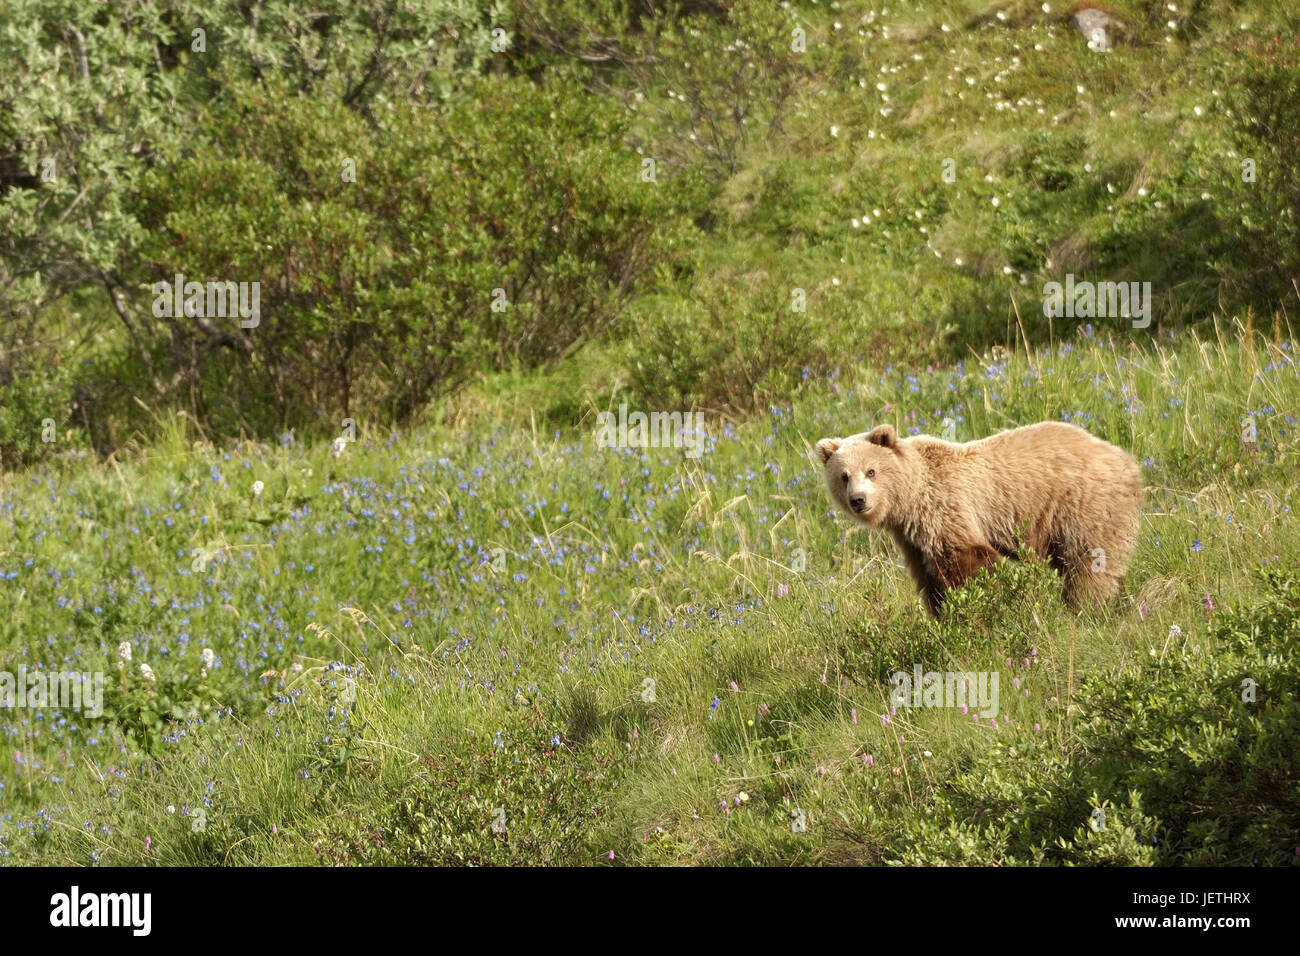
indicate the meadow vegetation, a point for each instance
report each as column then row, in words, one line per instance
column 471, row 634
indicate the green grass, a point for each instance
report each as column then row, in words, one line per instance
column 465, row 676
column 461, row 624
column 1116, row 166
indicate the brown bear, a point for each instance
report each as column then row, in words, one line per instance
column 955, row 508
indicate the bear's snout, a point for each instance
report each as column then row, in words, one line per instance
column 858, row 503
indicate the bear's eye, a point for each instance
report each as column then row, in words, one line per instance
column 845, row 477
column 871, row 472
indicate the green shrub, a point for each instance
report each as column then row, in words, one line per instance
column 34, row 407
column 1267, row 126
column 521, row 801
column 381, row 293
column 709, row 77
column 733, row 342
column 1192, row 760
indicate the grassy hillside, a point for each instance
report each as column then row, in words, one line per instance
column 486, row 639
column 385, row 677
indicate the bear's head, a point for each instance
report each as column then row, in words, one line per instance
column 866, row 474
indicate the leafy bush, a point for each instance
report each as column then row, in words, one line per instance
column 993, row 612
column 519, row 802
column 732, row 342
column 1192, row 761
column 503, row 232
column 1052, row 162
column 710, row 76
column 1267, row 124
column 33, row 407
column 95, row 96
column 720, row 98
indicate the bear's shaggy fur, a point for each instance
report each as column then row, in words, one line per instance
column 955, row 508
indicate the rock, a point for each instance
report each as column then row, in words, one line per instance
column 1102, row 30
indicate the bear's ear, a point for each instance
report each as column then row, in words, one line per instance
column 827, row 447
column 884, row 436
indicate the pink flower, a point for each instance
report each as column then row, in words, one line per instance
column 148, row 841
column 964, row 709
column 611, row 854
column 1209, row 604
column 782, row 590
column 853, row 713
column 715, row 758
column 994, row 722
column 869, row 760
column 1037, row 728
column 734, row 688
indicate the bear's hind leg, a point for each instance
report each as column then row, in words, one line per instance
column 1086, row 588
column 959, row 566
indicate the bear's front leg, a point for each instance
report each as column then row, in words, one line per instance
column 923, row 573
